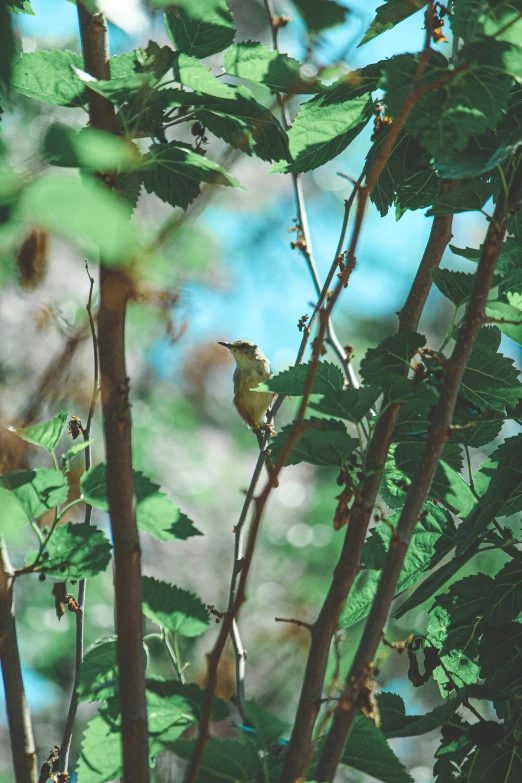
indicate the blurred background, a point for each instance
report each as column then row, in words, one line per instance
column 230, row 273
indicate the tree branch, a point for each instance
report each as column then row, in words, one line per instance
column 18, row 716
column 436, row 439
column 115, row 289
column 65, row 746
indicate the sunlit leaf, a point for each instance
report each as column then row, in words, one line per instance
column 47, row 434
column 173, row 608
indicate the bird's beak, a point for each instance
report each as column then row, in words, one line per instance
column 226, row 345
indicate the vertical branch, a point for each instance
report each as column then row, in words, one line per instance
column 302, row 222
column 115, row 289
column 356, row 683
column 65, row 746
column 18, row 715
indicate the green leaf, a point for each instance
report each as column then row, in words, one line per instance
column 174, row 173
column 173, row 608
column 46, row 435
column 195, row 9
column 201, row 37
column 245, row 124
column 455, row 627
column 325, row 126
column 224, row 759
column 455, row 286
column 351, row 404
column 291, row 382
column 504, row 602
column 500, row 656
column 470, row 196
column 25, row 494
column 83, row 212
column 268, row 726
column 20, row 7
column 447, row 486
column 387, row 16
column 118, row 91
column 156, row 514
column 472, row 101
column 88, row 148
column 480, row 434
column 76, row 551
column 48, row 76
column 7, row 45
column 98, row 672
column 323, row 442
column 504, row 485
column 414, row 415
column 432, row 539
column 490, row 381
column 501, row 311
column 76, row 449
column 368, row 752
column 472, row 19
column 190, row 72
column 96, row 766
column 501, row 763
column 382, row 365
column 321, row 14
column 408, row 178
column 433, row 582
column 395, row 722
column 257, row 63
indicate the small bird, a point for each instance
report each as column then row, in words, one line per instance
column 252, row 368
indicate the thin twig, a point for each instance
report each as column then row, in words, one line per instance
column 65, row 746
column 435, row 441
column 18, row 716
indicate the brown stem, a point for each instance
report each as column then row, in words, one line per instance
column 115, row 289
column 436, row 439
column 18, row 716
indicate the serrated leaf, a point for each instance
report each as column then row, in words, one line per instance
column 268, row 726
column 245, row 124
column 76, row 551
column 48, row 76
column 156, row 514
column 323, row 442
column 504, row 602
column 325, row 126
column 257, row 63
column 350, row 404
column 472, row 101
column 174, row 173
column 25, row 494
column 76, row 449
column 447, row 486
column 45, row 435
column 408, row 178
column 387, row 16
column 504, row 485
column 321, row 14
column 201, row 37
column 414, row 415
column 88, row 148
column 490, row 381
column 500, row 656
column 224, row 759
column 501, row 311
column 395, row 722
column 190, row 72
column 98, row 672
column 432, row 539
column 470, row 196
column 20, row 7
column 117, row 90
column 455, row 286
column 502, row 762
column 471, row 19
column 367, row 751
column 83, row 212
column 96, row 767
column 455, row 627
column 382, row 365
column 291, row 382
column 480, row 434
column 173, row 608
